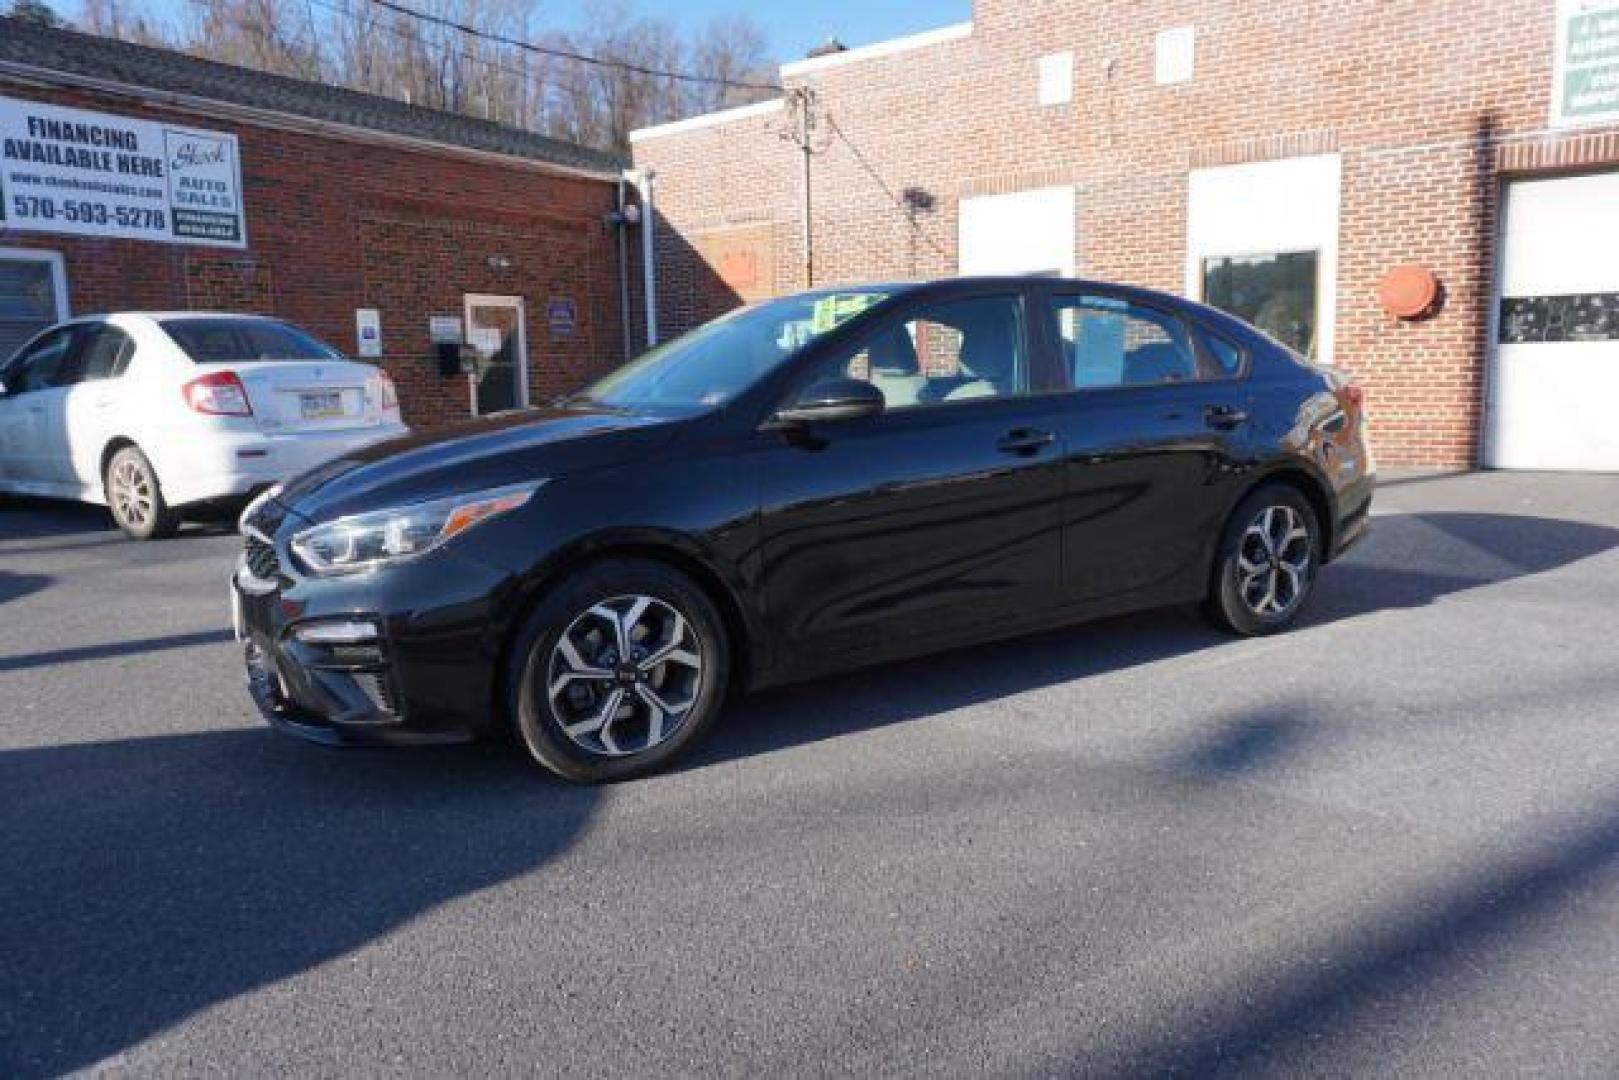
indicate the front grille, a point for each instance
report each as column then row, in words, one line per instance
column 262, row 562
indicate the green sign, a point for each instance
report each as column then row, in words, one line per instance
column 1586, row 87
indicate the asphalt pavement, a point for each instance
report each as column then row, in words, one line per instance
column 1385, row 843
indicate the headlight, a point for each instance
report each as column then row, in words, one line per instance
column 365, row 541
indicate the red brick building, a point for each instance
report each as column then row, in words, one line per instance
column 1277, row 159
column 343, row 209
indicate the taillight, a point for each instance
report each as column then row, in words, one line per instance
column 390, row 396
column 218, row 394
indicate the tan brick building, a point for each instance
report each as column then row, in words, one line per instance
column 1275, row 158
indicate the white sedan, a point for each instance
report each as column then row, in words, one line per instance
column 152, row 413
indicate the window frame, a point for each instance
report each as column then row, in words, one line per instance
column 911, row 309
column 1193, row 328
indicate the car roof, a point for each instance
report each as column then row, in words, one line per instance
column 158, row 316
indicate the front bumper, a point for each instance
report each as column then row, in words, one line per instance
column 425, row 675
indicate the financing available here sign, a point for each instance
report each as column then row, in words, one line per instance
column 1585, row 72
column 94, row 174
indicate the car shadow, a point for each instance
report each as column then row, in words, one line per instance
column 26, row 518
column 1407, row 561
column 16, row 586
column 150, row 878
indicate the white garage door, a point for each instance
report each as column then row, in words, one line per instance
column 1555, row 378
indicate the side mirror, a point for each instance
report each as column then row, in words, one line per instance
column 833, row 399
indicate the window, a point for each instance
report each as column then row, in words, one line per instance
column 222, row 341
column 1276, row 293
column 1226, row 354
column 956, row 351
column 1108, row 341
column 105, row 353
column 33, row 296
column 43, row 365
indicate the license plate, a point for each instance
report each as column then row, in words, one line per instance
column 238, row 627
column 323, row 406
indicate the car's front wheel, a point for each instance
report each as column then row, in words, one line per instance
column 136, row 498
column 620, row 669
column 1267, row 562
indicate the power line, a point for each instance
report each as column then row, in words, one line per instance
column 898, row 200
column 568, row 54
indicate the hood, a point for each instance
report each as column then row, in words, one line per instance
column 492, row 452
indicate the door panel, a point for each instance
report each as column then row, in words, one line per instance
column 495, row 329
column 1148, row 482
column 35, row 425
column 1155, row 430
column 909, row 525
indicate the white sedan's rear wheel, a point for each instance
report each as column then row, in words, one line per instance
column 136, row 498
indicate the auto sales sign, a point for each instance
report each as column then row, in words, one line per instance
column 94, row 174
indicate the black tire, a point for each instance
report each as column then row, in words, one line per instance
column 537, row 664
column 136, row 498
column 1234, row 586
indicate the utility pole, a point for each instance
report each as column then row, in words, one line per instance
column 803, row 129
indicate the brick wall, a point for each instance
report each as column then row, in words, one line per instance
column 1430, row 103
column 335, row 224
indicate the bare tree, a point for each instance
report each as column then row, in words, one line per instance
column 730, row 52
column 617, row 73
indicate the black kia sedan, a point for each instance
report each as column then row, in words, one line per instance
column 827, row 480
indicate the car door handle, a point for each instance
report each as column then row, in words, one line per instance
column 1224, row 417
column 1024, row 441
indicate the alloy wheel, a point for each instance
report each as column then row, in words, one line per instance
column 624, row 675
column 132, row 495
column 1273, row 561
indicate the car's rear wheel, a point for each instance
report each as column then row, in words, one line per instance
column 136, row 498
column 1266, row 566
column 618, row 671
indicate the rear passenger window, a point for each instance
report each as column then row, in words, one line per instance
column 105, row 354
column 1226, row 354
column 1109, row 342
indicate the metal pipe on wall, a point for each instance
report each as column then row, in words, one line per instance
column 644, row 185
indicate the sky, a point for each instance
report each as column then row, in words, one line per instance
column 795, row 26
column 792, row 27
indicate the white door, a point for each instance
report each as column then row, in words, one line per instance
column 495, row 330
column 1555, row 375
column 33, row 431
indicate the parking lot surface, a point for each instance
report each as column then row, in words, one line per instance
column 1387, row 842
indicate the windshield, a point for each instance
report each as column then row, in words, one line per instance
column 229, row 341
column 718, row 360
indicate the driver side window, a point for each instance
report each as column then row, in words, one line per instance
column 954, row 351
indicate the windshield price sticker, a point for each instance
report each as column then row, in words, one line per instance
column 95, row 174
column 833, row 310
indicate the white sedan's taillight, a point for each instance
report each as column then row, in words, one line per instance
column 390, row 395
column 218, row 394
